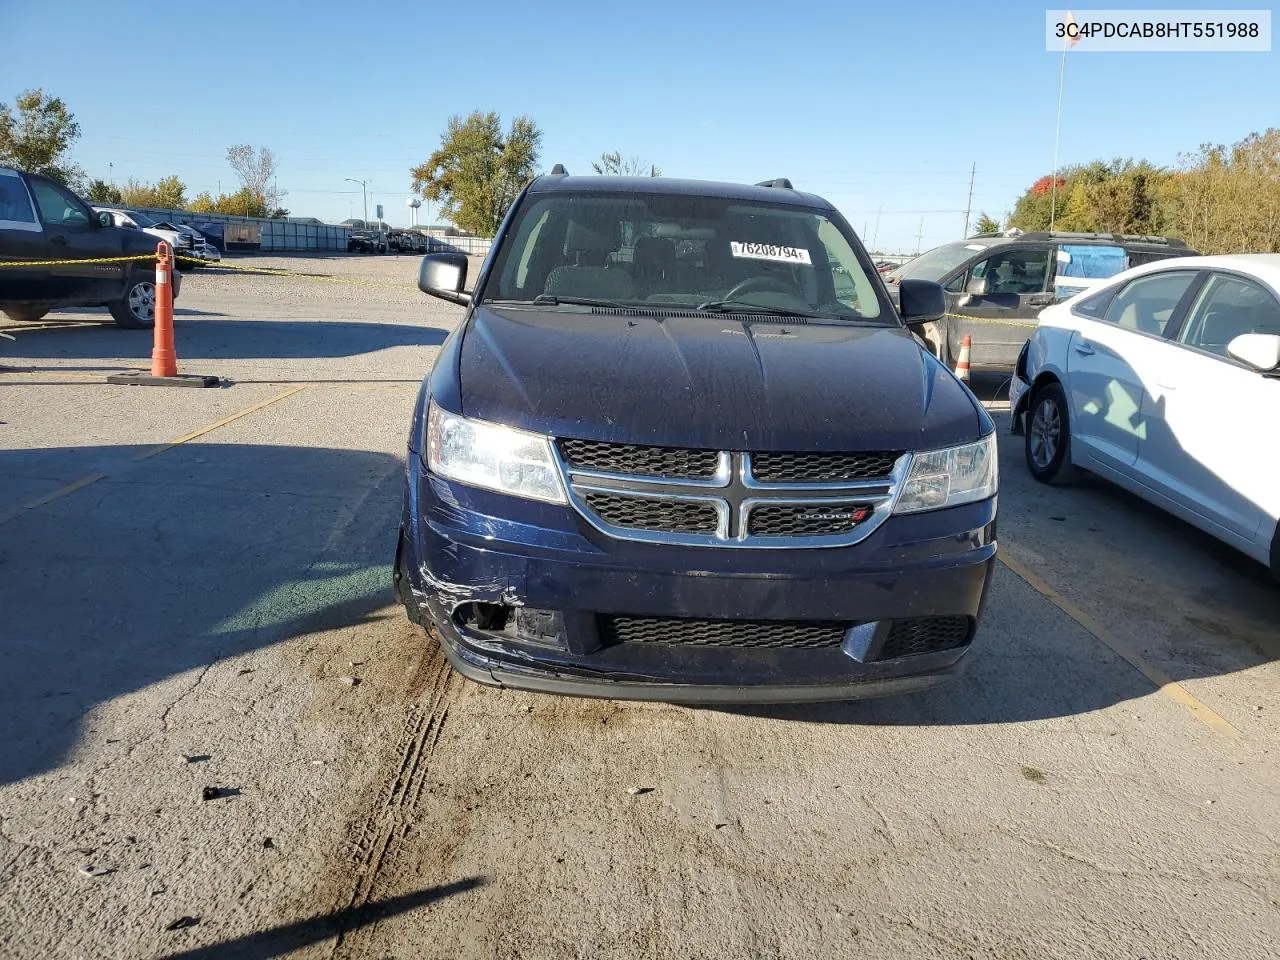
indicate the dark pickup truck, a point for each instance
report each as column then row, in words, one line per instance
column 683, row 447
column 43, row 221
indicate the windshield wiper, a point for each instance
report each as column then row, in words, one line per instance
column 556, row 300
column 737, row 306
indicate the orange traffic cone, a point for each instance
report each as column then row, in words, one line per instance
column 962, row 365
column 164, row 359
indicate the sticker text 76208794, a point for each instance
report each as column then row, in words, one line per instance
column 769, row 251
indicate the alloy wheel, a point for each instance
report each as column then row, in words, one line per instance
column 142, row 301
column 1046, row 433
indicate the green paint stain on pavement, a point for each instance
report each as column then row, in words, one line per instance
column 324, row 586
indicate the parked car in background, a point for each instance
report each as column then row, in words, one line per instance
column 996, row 284
column 1166, row 381
column 408, row 241
column 368, row 241
column 672, row 453
column 136, row 220
column 43, row 221
column 213, row 233
column 199, row 252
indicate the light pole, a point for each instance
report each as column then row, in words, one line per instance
column 364, row 195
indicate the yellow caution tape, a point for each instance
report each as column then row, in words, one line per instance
column 180, row 257
column 1007, row 323
column 274, row 272
column 60, row 263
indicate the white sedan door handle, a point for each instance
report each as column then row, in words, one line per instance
column 1084, row 348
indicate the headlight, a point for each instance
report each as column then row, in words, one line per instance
column 949, row 477
column 492, row 456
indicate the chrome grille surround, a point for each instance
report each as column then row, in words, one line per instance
column 735, row 493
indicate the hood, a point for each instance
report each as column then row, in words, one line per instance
column 135, row 241
column 711, row 381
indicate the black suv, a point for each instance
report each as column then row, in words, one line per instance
column 997, row 283
column 41, row 220
column 683, row 447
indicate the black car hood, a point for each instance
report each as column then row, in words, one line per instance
column 135, row 241
column 711, row 381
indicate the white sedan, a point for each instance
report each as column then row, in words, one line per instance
column 1166, row 381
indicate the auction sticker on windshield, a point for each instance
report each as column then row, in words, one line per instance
column 768, row 251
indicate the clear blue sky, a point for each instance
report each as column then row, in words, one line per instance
column 872, row 105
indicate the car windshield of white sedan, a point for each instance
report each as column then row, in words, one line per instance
column 670, row 251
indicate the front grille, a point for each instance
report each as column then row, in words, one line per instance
column 673, row 463
column 805, row 519
column 754, row 634
column 822, row 467
column 907, row 638
column 652, row 513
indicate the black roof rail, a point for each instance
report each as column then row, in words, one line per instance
column 781, row 182
column 1113, row 237
column 559, row 171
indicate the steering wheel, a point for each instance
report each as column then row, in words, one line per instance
column 761, row 285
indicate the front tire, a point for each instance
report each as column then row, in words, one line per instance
column 136, row 310
column 1048, row 436
column 28, row 314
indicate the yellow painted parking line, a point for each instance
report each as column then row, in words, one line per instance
column 94, row 478
column 1164, row 683
column 50, row 497
column 221, row 423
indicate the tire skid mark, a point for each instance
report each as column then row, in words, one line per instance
column 430, row 692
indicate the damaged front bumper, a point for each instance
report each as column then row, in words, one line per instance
column 527, row 595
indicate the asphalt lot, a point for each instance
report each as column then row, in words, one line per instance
column 190, row 579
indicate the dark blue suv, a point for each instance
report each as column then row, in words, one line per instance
column 683, row 447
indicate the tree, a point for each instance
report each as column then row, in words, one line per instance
column 616, row 165
column 245, row 202
column 38, row 137
column 99, row 191
column 478, row 172
column 170, row 193
column 1227, row 199
column 257, row 172
column 986, row 224
column 1078, row 216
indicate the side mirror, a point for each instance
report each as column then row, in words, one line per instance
column 1259, row 350
column 444, row 275
column 921, row 301
column 102, row 219
column 976, row 287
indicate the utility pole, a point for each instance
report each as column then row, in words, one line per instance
column 877, row 233
column 920, row 236
column 364, row 195
column 111, row 173
column 968, row 207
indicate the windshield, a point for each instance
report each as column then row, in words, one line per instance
column 141, row 219
column 937, row 263
column 666, row 250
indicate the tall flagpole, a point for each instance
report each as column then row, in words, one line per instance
column 1057, row 133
